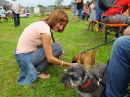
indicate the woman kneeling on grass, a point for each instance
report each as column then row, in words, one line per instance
column 34, row 50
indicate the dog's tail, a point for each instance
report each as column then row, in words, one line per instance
column 93, row 55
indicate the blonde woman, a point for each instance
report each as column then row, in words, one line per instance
column 34, row 49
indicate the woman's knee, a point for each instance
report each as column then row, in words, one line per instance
column 56, row 46
column 122, row 45
column 57, row 49
column 120, row 41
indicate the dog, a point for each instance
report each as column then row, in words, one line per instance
column 85, row 58
column 87, row 83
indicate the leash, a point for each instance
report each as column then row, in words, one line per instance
column 100, row 79
column 90, row 48
column 103, row 74
column 100, row 45
column 52, row 37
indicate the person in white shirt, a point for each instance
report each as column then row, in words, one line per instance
column 16, row 7
column 73, row 9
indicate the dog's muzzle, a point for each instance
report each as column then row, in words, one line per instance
column 65, row 79
column 73, row 61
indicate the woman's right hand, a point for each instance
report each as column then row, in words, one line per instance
column 62, row 55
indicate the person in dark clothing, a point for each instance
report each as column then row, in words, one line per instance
column 88, row 3
column 5, row 12
column 5, row 8
column 98, row 17
column 80, row 8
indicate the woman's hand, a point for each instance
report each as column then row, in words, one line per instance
column 62, row 55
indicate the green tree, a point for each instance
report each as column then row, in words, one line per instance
column 39, row 5
column 58, row 3
column 42, row 9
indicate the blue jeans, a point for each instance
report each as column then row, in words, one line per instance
column 38, row 57
column 30, row 63
column 80, row 13
column 73, row 13
column 118, row 72
column 98, row 17
column 16, row 19
column 28, row 73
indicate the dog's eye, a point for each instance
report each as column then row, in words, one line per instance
column 72, row 75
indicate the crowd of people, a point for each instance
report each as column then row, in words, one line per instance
column 4, row 12
column 13, row 9
column 77, row 6
column 85, row 11
column 92, row 10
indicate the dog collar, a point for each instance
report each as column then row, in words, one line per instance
column 86, row 84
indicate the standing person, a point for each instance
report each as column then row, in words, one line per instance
column 88, row 3
column 5, row 8
column 85, row 11
column 98, row 17
column 73, row 9
column 34, row 50
column 80, row 8
column 118, row 71
column 92, row 13
column 16, row 7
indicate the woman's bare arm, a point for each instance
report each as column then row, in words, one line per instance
column 46, row 39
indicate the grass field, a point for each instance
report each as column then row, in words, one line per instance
column 74, row 39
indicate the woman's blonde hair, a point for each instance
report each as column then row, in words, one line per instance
column 55, row 17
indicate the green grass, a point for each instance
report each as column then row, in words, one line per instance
column 74, row 39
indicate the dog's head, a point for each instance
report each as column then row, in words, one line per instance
column 75, row 76
column 76, row 58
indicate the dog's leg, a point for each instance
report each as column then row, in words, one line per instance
column 87, row 67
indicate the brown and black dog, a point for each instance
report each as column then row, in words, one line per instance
column 85, row 58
